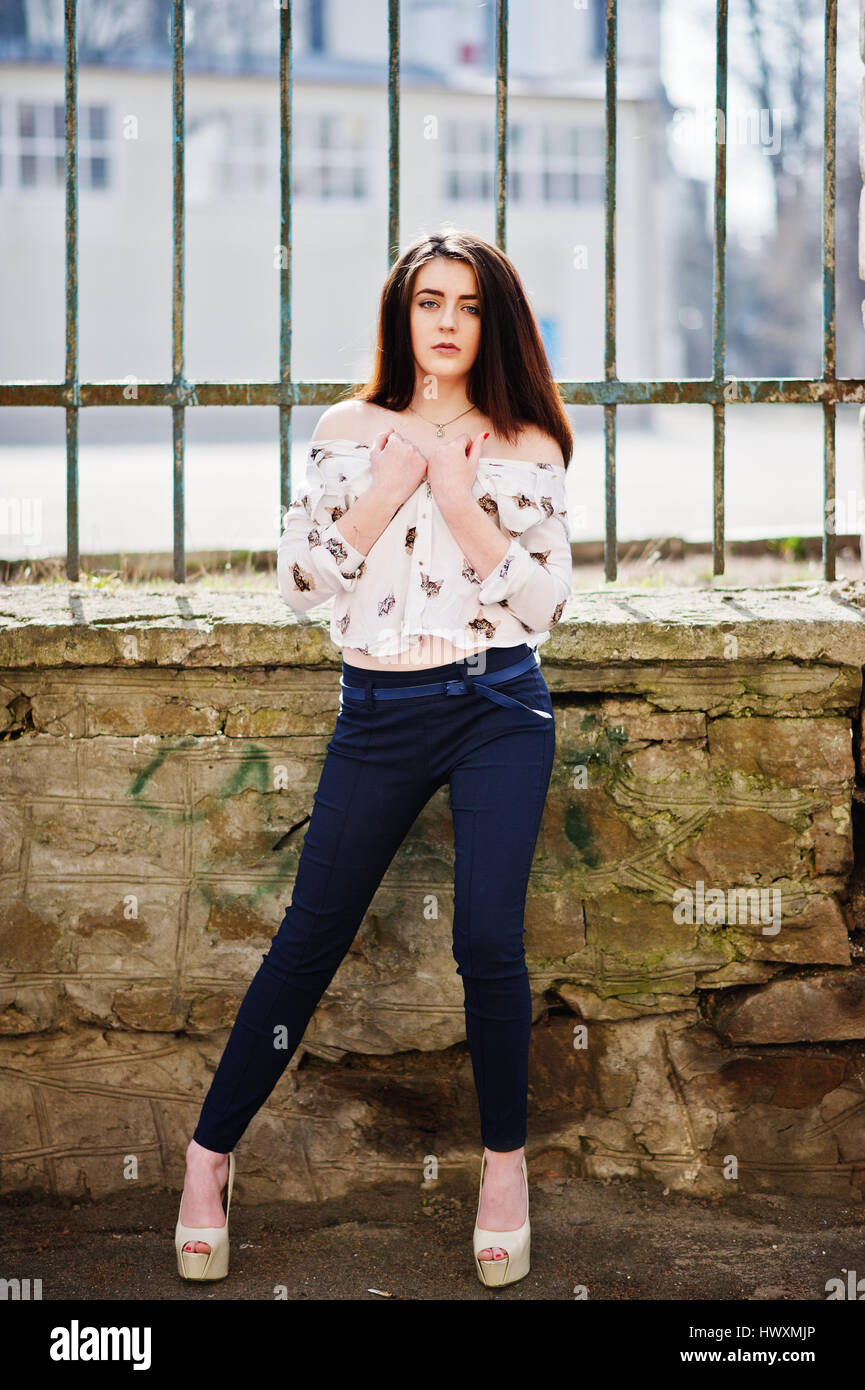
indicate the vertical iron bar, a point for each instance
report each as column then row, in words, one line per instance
column 73, row 557
column 501, row 122
column 719, row 288
column 829, row 355
column 393, row 40
column 610, row 536
column 285, row 97
column 178, row 412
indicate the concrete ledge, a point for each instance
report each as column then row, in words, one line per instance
column 72, row 624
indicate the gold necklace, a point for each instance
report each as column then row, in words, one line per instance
column 440, row 429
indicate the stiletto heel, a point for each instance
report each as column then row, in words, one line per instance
column 200, row 1264
column 516, row 1244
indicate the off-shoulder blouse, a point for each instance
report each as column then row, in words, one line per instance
column 415, row 580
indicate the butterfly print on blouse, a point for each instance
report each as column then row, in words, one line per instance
column 410, row 538
column 337, row 549
column 523, row 501
column 317, row 451
column 336, row 512
column 558, row 610
column 302, row 580
column 489, row 504
column 483, row 626
column 430, row 586
column 313, row 538
column 343, row 622
column 470, row 573
column 547, row 505
column 541, row 556
column 386, row 605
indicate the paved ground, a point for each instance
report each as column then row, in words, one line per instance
column 621, row 1240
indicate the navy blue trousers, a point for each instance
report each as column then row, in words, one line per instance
column 383, row 763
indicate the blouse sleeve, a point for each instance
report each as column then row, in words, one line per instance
column 314, row 560
column 535, row 577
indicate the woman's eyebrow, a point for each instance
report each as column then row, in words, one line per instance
column 442, row 294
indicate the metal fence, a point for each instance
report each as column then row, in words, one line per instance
column 180, row 394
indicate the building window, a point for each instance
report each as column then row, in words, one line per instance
column 36, row 143
column 315, row 22
column 468, row 160
column 599, row 31
column 556, row 162
column 550, row 329
column 234, row 155
column 548, row 161
column 231, row 155
column 330, row 155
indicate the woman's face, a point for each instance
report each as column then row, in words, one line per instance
column 445, row 308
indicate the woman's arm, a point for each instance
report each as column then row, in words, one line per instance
column 533, row 571
column 315, row 557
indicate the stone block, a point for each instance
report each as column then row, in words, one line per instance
column 801, row 1008
column 812, row 932
column 740, row 845
column 794, row 751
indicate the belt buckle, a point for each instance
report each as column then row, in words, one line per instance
column 455, row 687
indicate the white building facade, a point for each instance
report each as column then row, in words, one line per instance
column 555, row 225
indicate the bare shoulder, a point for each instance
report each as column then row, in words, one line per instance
column 540, row 447
column 346, row 420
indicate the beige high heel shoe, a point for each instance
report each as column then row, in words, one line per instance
column 517, row 1244
column 201, row 1264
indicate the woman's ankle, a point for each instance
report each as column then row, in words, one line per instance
column 514, row 1156
column 198, row 1153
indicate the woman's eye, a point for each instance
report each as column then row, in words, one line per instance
column 434, row 302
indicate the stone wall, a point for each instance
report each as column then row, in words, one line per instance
column 158, row 756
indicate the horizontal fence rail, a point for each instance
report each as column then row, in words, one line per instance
column 180, row 394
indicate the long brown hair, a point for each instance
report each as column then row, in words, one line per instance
column 510, row 379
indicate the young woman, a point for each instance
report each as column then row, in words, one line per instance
column 434, row 513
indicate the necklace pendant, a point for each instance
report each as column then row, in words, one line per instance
column 440, row 434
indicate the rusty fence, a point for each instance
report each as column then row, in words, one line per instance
column 180, row 393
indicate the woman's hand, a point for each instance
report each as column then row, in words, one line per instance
column 398, row 466
column 452, row 468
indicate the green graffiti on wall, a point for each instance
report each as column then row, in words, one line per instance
column 251, row 771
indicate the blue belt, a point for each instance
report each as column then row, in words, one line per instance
column 482, row 684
